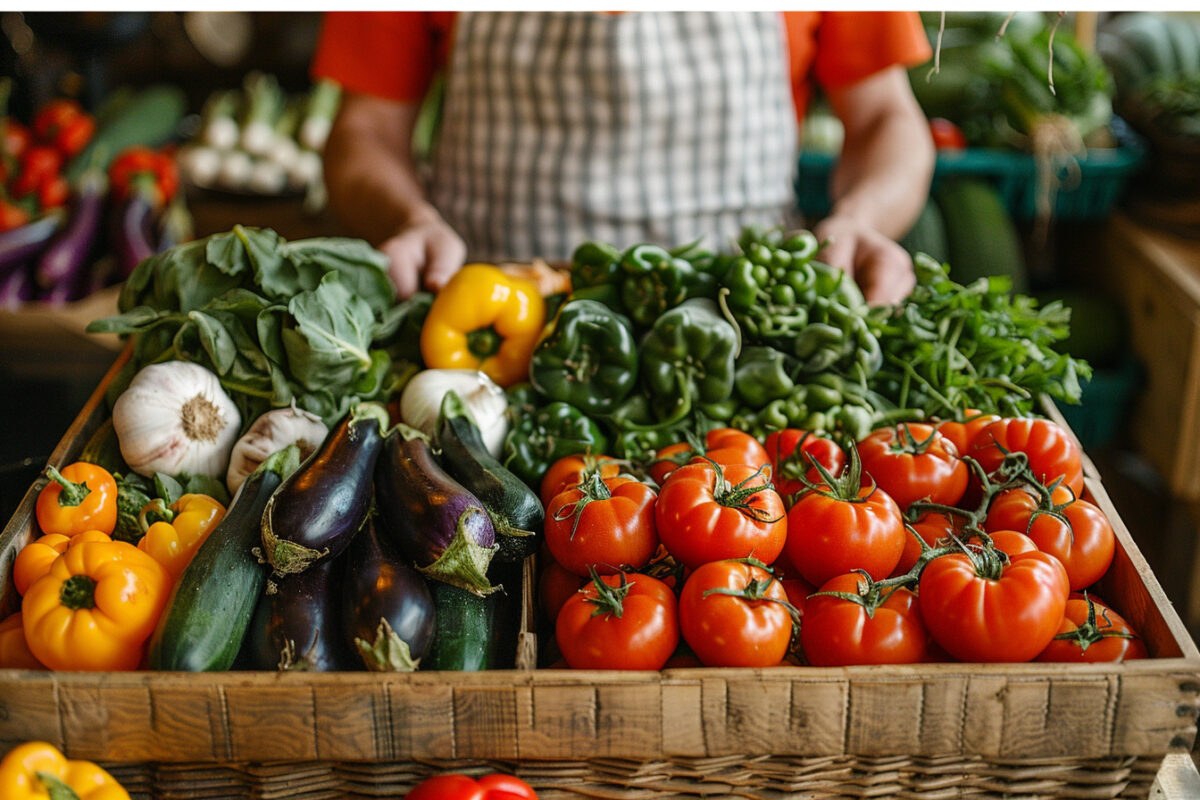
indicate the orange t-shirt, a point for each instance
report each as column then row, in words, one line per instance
column 395, row 54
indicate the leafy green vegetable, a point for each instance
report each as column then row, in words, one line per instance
column 311, row 321
column 950, row 347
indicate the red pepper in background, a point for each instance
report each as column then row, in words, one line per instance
column 946, row 135
column 64, row 124
column 16, row 137
column 140, row 168
column 39, row 164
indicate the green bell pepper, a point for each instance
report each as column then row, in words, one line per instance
column 762, row 374
column 594, row 264
column 548, row 434
column 687, row 358
column 588, row 358
column 652, row 281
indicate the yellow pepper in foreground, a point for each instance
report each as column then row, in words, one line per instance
column 484, row 319
column 35, row 558
column 14, row 650
column 173, row 542
column 95, row 608
column 31, row 770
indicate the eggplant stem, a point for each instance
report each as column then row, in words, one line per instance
column 463, row 563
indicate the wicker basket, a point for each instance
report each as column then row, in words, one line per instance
column 922, row 731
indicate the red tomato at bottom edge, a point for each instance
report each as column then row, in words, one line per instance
column 462, row 787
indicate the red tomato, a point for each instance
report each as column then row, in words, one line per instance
column 726, row 446
column 912, row 462
column 946, row 135
column 54, row 115
column 39, row 164
column 1076, row 533
column 461, row 787
column 571, row 471
column 633, row 625
column 555, row 587
column 138, row 166
column 837, row 632
column 788, row 450
column 1009, row 613
column 706, row 513
column 16, row 138
column 829, row 536
column 1013, row 543
column 798, row 591
column 1012, row 509
column 751, row 628
column 1051, row 450
column 73, row 136
column 931, row 527
column 1093, row 640
column 605, row 524
column 1084, row 542
column 963, row 433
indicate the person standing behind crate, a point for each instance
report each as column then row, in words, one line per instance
column 559, row 127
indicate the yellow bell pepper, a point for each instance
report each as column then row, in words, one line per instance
column 38, row 771
column 35, row 558
column 14, row 651
column 484, row 319
column 95, row 608
column 188, row 523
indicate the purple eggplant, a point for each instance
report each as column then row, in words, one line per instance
column 17, row 288
column 22, row 244
column 297, row 626
column 387, row 611
column 434, row 521
column 134, row 240
column 67, row 257
column 317, row 511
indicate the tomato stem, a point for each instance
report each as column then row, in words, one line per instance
column 592, row 489
column 738, row 496
column 1089, row 632
column 608, row 599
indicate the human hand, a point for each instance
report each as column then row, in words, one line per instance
column 425, row 251
column 881, row 268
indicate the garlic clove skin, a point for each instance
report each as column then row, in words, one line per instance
column 175, row 418
column 270, row 433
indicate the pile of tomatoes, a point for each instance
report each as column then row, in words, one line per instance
column 32, row 161
column 923, row 542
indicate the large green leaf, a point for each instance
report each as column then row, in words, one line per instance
column 361, row 267
column 330, row 342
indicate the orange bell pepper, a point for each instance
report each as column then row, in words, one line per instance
column 35, row 558
column 38, row 771
column 14, row 651
column 484, row 319
column 96, row 607
column 83, row 497
column 188, row 523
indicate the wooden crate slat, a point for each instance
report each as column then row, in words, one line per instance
column 422, row 719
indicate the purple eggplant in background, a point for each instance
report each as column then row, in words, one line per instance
column 17, row 287
column 134, row 239
column 434, row 521
column 19, row 246
column 67, row 258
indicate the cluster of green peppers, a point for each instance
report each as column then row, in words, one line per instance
column 641, row 355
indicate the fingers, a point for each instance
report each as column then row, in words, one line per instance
column 885, row 274
column 444, row 255
column 839, row 250
column 406, row 258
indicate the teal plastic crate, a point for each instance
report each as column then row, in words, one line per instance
column 1101, row 178
column 1103, row 410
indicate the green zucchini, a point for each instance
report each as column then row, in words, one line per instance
column 151, row 118
column 212, row 603
column 980, row 236
column 515, row 510
column 465, row 638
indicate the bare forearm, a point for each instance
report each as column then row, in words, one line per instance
column 369, row 171
column 882, row 178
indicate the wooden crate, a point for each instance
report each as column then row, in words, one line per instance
column 1156, row 276
column 930, row 730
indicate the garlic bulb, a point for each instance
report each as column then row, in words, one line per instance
column 175, row 418
column 270, row 433
column 422, row 400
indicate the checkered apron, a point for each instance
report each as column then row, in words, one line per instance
column 559, row 127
